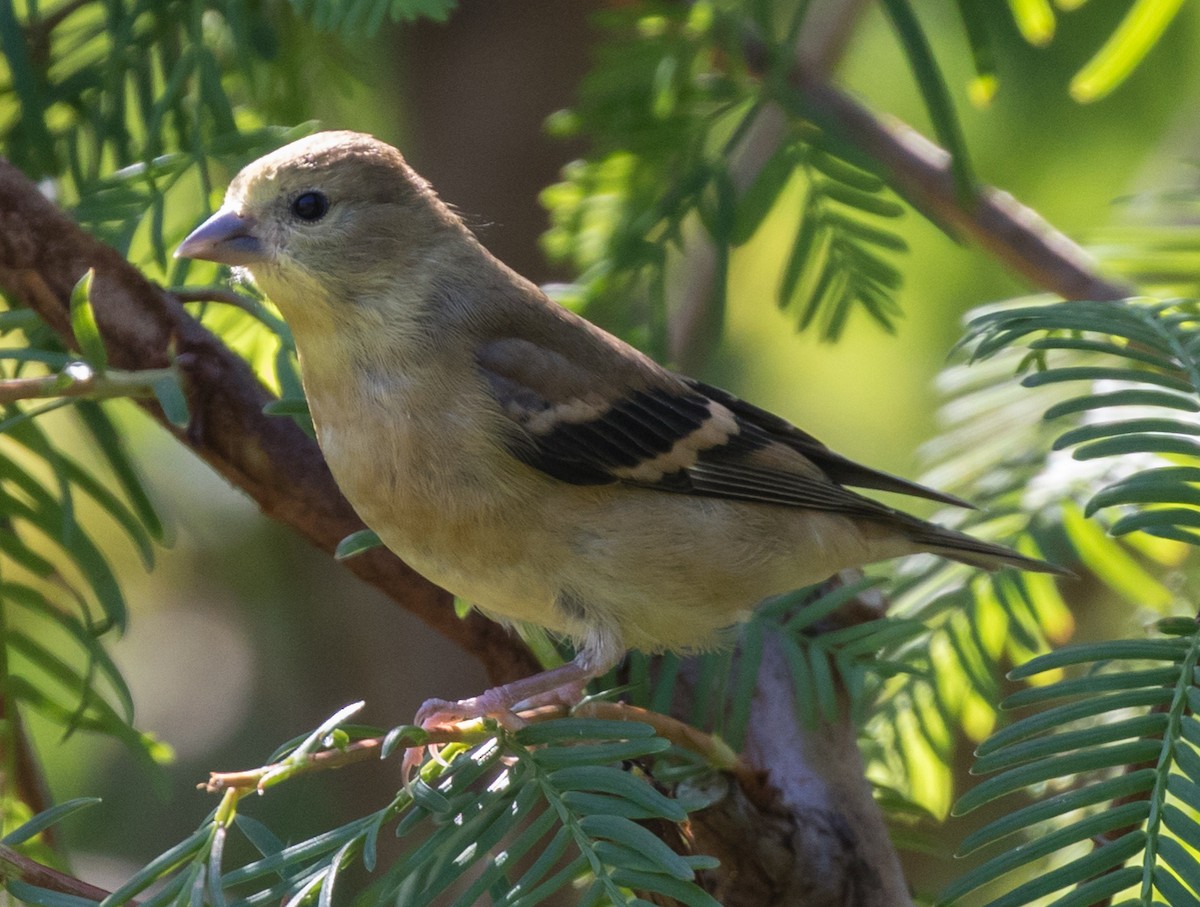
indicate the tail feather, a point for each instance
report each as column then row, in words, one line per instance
column 959, row 546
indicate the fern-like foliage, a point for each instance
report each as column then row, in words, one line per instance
column 59, row 595
column 1138, row 366
column 514, row 819
column 126, row 107
column 1100, row 434
column 1118, row 763
column 667, row 109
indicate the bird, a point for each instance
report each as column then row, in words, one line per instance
column 523, row 458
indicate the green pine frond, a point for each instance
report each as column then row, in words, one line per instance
column 515, row 818
column 664, row 135
column 1114, row 764
column 1127, row 380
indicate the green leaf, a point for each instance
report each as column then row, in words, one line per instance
column 23, row 75
column 555, row 757
column 1150, row 725
column 983, row 86
column 31, row 436
column 1100, row 890
column 1034, row 19
column 1184, row 863
column 85, row 638
column 1122, row 649
column 1090, row 685
column 684, row 892
column 44, row 897
column 565, row 730
column 1141, row 28
column 758, row 200
column 1093, row 826
column 291, row 406
column 845, row 173
column 1182, row 825
column 263, row 839
column 48, row 518
column 1123, row 428
column 1015, row 779
column 1099, row 860
column 1105, row 373
column 45, row 819
column 1025, row 818
column 1075, row 711
column 1172, row 889
column 174, row 404
column 84, row 326
column 636, row 838
column 619, row 784
column 1130, row 397
column 159, row 867
column 935, row 94
column 1164, row 485
column 112, row 446
column 565, row 876
column 867, row 202
column 1148, row 520
column 550, row 854
column 357, row 543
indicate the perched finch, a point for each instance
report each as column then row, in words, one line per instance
column 519, row 456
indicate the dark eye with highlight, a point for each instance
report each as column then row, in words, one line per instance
column 310, row 206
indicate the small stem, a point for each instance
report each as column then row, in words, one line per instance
column 79, row 380
column 213, row 294
column 16, row 866
column 713, row 749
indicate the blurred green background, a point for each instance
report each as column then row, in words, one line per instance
column 243, row 636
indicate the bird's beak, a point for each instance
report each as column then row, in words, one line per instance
column 227, row 238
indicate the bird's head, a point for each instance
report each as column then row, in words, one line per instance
column 334, row 218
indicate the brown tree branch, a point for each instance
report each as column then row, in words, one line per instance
column 42, row 255
column 919, row 170
column 1009, row 231
column 14, row 865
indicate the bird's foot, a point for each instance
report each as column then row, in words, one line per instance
column 562, row 686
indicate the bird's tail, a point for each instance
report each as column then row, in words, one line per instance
column 959, row 546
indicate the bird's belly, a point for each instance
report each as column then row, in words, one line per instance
column 649, row 569
column 674, row 571
column 441, row 520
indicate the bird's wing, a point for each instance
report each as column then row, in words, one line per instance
column 840, row 469
column 659, row 431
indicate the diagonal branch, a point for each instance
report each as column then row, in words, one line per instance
column 14, row 865
column 918, row 169
column 1009, row 231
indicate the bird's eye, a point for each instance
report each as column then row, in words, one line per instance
column 310, row 206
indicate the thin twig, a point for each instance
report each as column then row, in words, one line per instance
column 213, row 294
column 14, row 865
column 715, row 751
column 919, row 170
column 79, row 380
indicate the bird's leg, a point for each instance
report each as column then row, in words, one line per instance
column 601, row 650
column 563, row 685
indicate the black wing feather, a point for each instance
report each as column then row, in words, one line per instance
column 840, row 469
column 608, row 442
